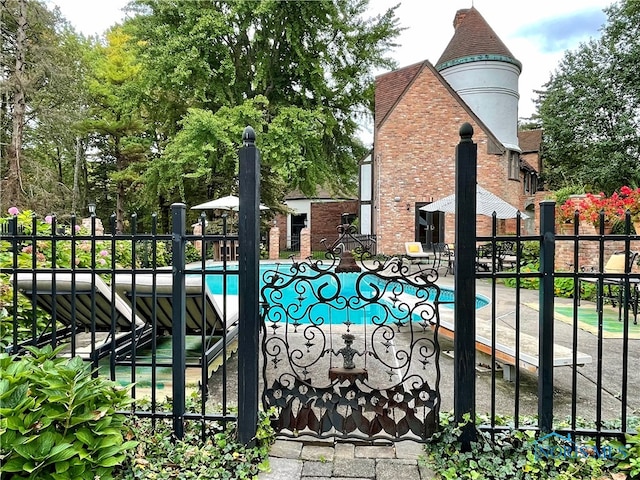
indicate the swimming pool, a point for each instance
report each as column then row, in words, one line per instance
column 344, row 298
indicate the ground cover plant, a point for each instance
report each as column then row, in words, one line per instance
column 159, row 456
column 520, row 454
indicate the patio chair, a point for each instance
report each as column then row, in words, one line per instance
column 416, row 254
column 484, row 258
column 618, row 263
column 495, row 258
column 508, row 255
column 150, row 295
column 82, row 302
column 443, row 257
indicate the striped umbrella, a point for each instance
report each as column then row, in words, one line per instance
column 486, row 204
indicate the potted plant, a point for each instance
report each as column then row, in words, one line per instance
column 630, row 199
column 565, row 215
column 594, row 208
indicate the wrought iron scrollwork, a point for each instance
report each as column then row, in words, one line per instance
column 351, row 354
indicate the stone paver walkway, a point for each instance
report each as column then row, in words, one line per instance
column 324, row 460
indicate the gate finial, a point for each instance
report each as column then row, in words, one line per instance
column 248, row 136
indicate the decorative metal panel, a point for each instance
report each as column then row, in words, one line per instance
column 350, row 345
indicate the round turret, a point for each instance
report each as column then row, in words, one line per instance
column 482, row 70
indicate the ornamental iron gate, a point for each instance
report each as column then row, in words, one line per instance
column 350, row 347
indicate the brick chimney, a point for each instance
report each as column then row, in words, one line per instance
column 460, row 14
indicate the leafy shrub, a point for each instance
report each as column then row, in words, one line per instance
column 530, row 252
column 563, row 194
column 57, row 422
column 509, row 455
column 562, row 286
column 530, row 283
column 145, row 256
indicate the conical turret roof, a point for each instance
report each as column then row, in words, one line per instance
column 474, row 40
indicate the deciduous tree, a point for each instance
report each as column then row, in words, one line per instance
column 115, row 121
column 42, row 95
column 299, row 72
column 590, row 108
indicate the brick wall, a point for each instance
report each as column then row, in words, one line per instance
column 325, row 217
column 414, row 161
column 588, row 250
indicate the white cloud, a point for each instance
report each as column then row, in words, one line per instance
column 91, row 17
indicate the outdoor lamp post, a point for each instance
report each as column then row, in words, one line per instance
column 92, row 209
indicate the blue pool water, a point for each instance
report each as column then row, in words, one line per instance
column 359, row 298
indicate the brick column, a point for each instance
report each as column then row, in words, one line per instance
column 589, row 250
column 197, row 230
column 274, row 243
column 305, row 243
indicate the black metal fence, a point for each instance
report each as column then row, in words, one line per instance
column 133, row 305
column 560, row 325
column 565, row 336
column 576, row 378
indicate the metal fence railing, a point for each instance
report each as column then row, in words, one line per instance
column 121, row 300
column 133, row 305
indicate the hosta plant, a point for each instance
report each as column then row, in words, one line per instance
column 57, row 421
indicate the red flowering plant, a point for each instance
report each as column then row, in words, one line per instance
column 630, row 199
column 593, row 207
column 566, row 212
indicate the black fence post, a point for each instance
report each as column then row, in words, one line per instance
column 545, row 322
column 179, row 299
column 248, row 287
column 464, row 395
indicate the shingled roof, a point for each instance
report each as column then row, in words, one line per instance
column 390, row 86
column 473, row 38
column 530, row 140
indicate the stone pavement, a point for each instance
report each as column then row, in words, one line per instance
column 325, row 459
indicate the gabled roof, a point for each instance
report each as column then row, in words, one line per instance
column 524, row 165
column 473, row 40
column 530, row 140
column 390, row 88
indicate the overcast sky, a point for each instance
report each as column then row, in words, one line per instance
column 536, row 32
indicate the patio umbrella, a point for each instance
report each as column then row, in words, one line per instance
column 486, row 204
column 230, row 202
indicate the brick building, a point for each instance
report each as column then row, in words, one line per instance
column 419, row 110
column 321, row 215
